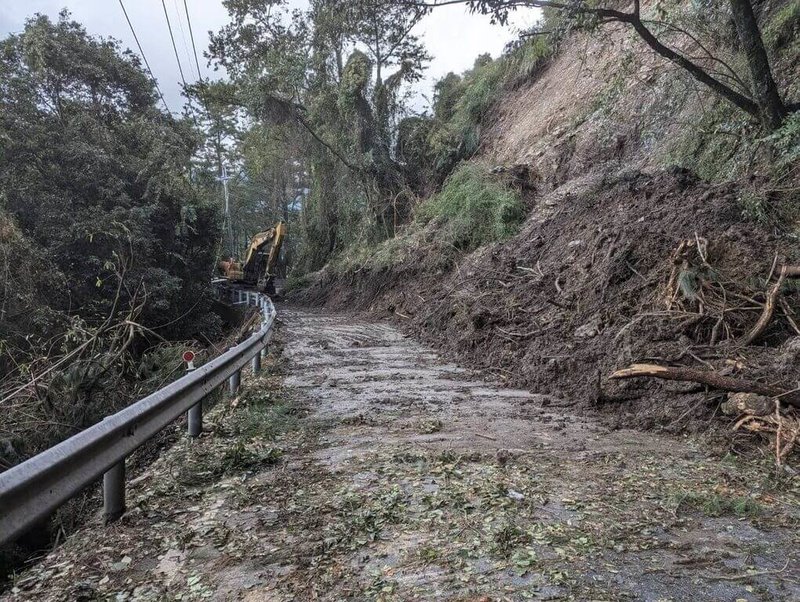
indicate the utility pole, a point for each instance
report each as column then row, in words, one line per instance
column 227, row 225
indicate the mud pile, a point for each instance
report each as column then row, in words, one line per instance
column 589, row 286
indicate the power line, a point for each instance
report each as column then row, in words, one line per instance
column 191, row 35
column 174, row 47
column 149, row 70
column 178, row 58
column 183, row 39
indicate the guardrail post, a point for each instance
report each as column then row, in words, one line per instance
column 114, row 492
column 233, row 381
column 255, row 363
column 195, row 419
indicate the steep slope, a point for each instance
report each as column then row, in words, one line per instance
column 627, row 254
column 583, row 289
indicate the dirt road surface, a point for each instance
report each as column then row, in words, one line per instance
column 362, row 466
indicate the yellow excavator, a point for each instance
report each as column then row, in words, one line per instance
column 258, row 267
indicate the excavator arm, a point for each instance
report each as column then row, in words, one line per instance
column 275, row 250
column 259, row 264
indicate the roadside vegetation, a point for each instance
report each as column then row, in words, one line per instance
column 106, row 245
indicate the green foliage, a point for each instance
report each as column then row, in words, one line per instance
column 265, row 421
column 786, row 141
column 106, row 244
column 414, row 152
column 474, row 208
column 296, row 281
column 461, row 105
column 446, row 93
column 337, row 74
column 715, row 504
column 754, row 206
column 27, row 278
column 206, row 466
column 717, row 147
column 784, row 26
column 95, row 174
column 459, row 136
column 356, row 77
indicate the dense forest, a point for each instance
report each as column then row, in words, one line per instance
column 108, row 238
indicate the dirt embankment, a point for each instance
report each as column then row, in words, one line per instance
column 593, row 282
column 620, row 259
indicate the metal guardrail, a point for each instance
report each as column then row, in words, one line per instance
column 32, row 490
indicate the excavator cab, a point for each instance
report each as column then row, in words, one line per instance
column 261, row 257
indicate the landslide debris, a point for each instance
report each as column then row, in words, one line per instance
column 609, row 269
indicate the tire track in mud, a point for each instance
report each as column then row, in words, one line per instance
column 360, row 371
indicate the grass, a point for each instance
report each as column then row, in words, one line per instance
column 716, row 505
column 783, row 27
column 473, row 208
column 717, row 147
column 246, row 433
column 786, row 141
column 205, row 465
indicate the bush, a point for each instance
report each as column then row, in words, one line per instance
column 786, row 141
column 474, row 208
column 468, row 100
column 782, row 29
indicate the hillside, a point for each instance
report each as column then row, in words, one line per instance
column 653, row 221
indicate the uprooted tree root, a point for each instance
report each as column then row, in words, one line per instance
column 786, row 429
column 694, row 286
column 724, row 306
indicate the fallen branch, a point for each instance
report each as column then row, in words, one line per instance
column 769, row 309
column 709, row 378
column 748, row 575
column 787, row 312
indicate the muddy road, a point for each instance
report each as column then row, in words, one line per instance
column 369, row 469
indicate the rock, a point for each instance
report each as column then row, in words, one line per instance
column 788, row 359
column 8, row 454
column 590, row 329
column 748, row 403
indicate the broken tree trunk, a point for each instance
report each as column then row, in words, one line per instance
column 709, row 378
column 769, row 309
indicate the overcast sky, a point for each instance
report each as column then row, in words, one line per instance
column 452, row 36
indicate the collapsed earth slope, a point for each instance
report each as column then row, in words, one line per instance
column 645, row 242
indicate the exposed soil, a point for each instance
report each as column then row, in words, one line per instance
column 583, row 289
column 377, row 471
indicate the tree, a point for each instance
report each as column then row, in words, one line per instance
column 338, row 72
column 758, row 97
column 97, row 177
